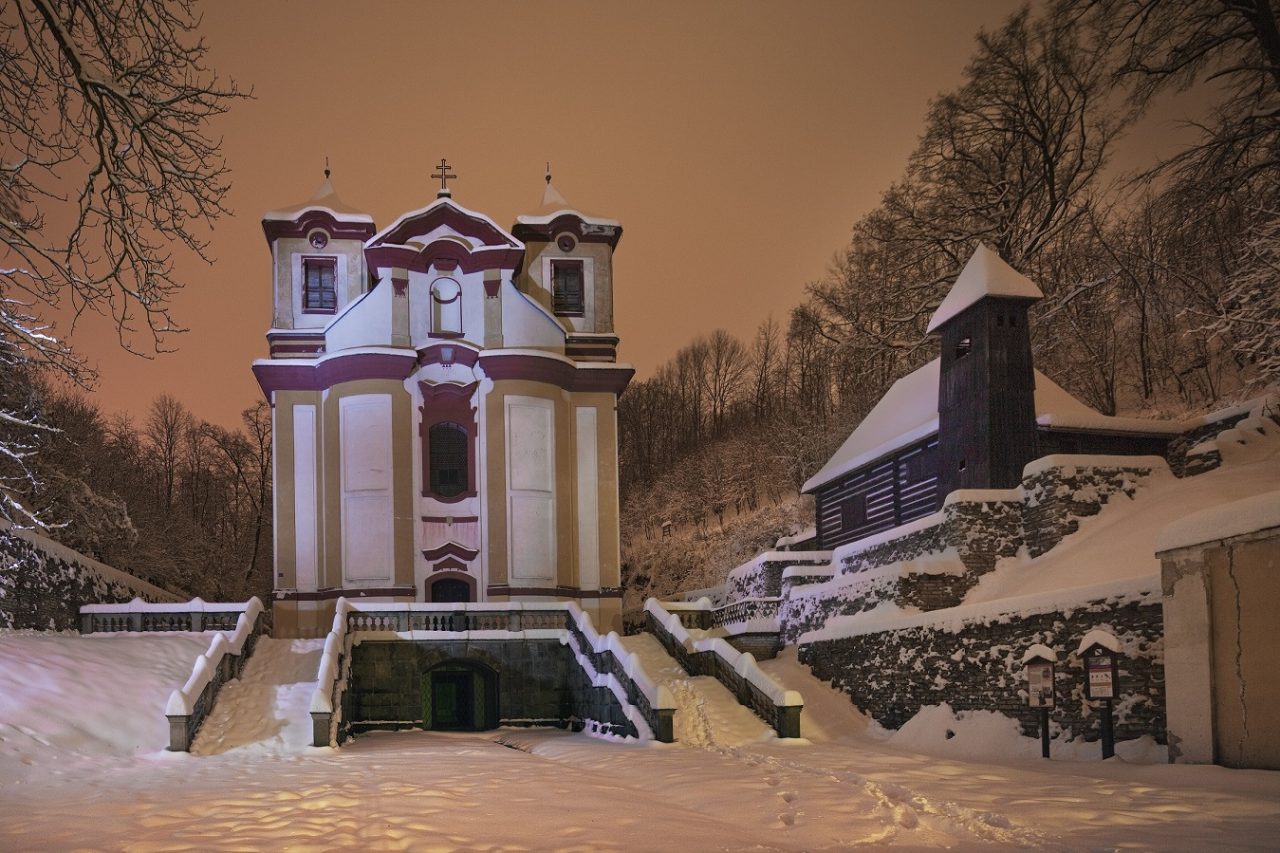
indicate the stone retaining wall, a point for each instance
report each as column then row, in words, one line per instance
column 43, row 584
column 892, row 674
column 538, row 682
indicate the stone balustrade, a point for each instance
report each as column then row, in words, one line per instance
column 144, row 616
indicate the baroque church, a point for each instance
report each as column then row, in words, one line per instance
column 444, row 397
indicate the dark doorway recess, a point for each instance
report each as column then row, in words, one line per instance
column 460, row 695
column 450, row 590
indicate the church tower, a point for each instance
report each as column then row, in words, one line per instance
column 986, row 389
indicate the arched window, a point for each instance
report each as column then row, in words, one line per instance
column 447, row 449
column 450, row 590
column 446, row 308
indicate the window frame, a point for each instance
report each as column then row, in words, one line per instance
column 460, row 466
column 570, row 309
column 319, row 262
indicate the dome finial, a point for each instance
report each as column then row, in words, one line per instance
column 326, row 167
column 548, row 171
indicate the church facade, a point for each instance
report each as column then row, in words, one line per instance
column 444, row 397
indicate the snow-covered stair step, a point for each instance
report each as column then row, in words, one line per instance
column 268, row 708
column 707, row 714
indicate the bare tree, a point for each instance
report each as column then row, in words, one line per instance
column 104, row 165
column 726, row 368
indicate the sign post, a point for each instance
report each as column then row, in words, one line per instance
column 1102, row 678
column 1039, row 665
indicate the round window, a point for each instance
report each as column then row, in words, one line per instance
column 318, row 239
column 566, row 242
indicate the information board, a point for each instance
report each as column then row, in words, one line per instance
column 1040, row 684
column 1101, row 668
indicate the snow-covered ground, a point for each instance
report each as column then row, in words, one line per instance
column 83, row 766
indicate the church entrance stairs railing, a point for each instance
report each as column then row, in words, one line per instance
column 672, row 622
column 611, row 675
column 237, row 627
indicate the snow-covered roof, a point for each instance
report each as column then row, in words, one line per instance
column 490, row 232
column 324, row 199
column 986, row 274
column 554, row 205
column 908, row 412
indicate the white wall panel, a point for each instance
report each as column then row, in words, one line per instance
column 588, row 498
column 304, row 497
column 530, row 433
column 366, row 487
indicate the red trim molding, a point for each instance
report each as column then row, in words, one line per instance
column 309, row 220
column 552, row 371
column 441, row 252
column 339, row 592
column 464, row 354
column 583, row 231
column 448, row 402
column 455, row 218
column 450, row 549
column 332, row 371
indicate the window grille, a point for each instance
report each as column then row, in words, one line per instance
column 448, row 459
column 319, row 293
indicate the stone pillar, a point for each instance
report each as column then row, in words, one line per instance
column 179, row 732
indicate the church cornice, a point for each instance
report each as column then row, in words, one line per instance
column 309, row 220
column 443, row 253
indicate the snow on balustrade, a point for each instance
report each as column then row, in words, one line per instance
column 603, row 659
column 738, row 671
column 139, row 615
column 189, row 705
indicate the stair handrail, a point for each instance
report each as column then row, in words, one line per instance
column 189, row 705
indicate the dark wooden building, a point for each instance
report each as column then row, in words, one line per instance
column 971, row 419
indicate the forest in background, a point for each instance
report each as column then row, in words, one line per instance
column 174, row 500
column 1162, row 285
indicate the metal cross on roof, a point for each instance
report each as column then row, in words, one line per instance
column 442, row 172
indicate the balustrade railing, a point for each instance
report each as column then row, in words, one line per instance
column 143, row 616
column 367, row 618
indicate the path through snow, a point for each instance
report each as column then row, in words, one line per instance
column 267, row 708
column 82, row 766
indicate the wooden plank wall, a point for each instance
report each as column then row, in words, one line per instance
column 888, row 492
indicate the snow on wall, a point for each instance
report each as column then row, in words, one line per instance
column 1237, row 518
column 43, row 584
column 976, row 664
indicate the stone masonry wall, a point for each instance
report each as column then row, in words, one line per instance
column 1185, row 464
column 1055, row 499
column 44, row 591
column 763, row 580
column 892, row 674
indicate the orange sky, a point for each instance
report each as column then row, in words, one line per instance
column 737, row 142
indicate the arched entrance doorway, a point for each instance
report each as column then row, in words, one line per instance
column 455, row 588
column 460, row 695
